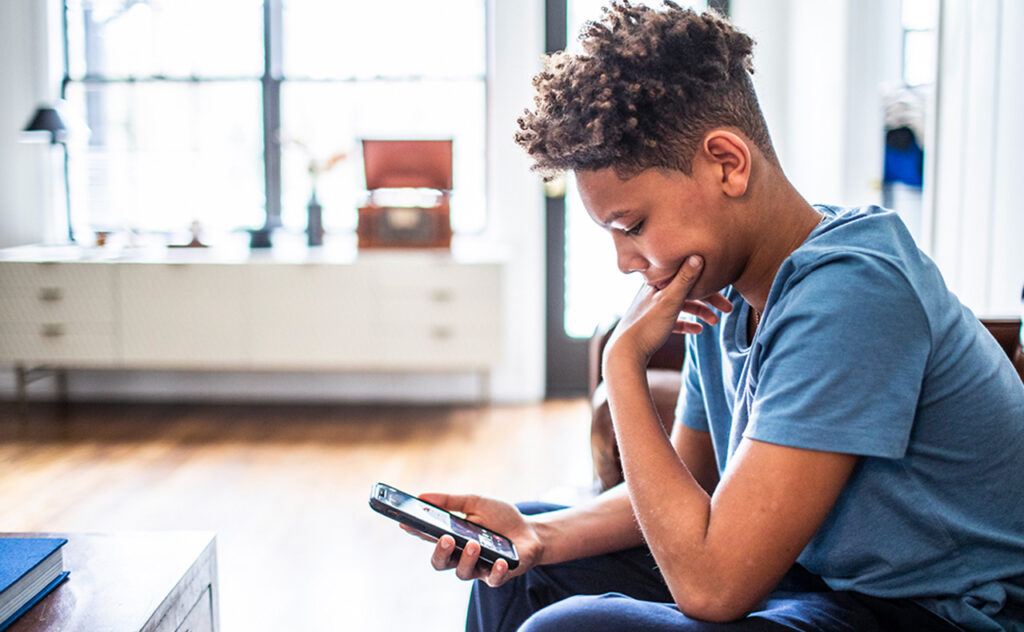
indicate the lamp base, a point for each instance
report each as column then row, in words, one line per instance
column 259, row 238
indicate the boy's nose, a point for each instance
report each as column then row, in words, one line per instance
column 628, row 259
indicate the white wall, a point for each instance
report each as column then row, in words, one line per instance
column 30, row 173
column 515, row 194
column 819, row 69
column 30, row 72
column 977, row 227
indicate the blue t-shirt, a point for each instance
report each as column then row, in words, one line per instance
column 862, row 349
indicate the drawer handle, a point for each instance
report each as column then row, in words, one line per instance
column 50, row 294
column 442, row 333
column 52, row 330
column 442, row 296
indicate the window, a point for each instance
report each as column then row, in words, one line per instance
column 906, row 108
column 595, row 290
column 213, row 111
column 920, row 20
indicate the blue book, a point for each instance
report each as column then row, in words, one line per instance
column 29, row 569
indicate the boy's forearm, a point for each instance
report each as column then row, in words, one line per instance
column 601, row 525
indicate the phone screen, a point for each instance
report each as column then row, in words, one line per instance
column 444, row 520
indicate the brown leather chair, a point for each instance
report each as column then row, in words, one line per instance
column 664, row 378
column 663, row 375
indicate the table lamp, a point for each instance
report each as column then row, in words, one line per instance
column 48, row 119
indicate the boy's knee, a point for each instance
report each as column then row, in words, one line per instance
column 573, row 613
column 615, row 611
column 610, row 611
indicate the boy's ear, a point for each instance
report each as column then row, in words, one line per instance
column 729, row 156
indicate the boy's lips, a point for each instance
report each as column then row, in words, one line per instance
column 663, row 283
column 660, row 285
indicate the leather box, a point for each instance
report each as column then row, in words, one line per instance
column 408, row 184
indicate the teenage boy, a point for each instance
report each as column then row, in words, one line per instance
column 849, row 442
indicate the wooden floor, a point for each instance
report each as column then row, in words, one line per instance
column 285, row 488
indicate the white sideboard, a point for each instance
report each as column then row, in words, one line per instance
column 199, row 309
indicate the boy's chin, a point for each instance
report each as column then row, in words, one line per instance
column 700, row 292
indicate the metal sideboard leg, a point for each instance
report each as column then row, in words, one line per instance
column 21, row 387
column 63, row 397
column 23, row 376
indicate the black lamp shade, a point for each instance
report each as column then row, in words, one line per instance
column 47, row 119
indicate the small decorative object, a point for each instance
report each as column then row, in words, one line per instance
column 409, row 182
column 196, row 229
column 314, row 211
column 314, row 221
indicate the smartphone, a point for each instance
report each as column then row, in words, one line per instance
column 435, row 522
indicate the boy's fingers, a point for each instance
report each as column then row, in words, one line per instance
column 442, row 557
column 416, row 532
column 719, row 302
column 701, row 311
column 466, row 567
column 498, row 573
column 452, row 502
column 687, row 327
column 688, row 273
column 441, row 500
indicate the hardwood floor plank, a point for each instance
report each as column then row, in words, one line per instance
column 285, row 488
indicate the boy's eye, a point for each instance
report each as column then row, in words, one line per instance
column 636, row 229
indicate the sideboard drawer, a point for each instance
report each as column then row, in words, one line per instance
column 57, row 313
column 440, row 347
column 48, row 304
column 187, row 316
column 438, row 315
column 93, row 277
column 311, row 316
column 57, row 342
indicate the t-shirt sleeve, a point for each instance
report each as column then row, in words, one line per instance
column 690, row 408
column 841, row 359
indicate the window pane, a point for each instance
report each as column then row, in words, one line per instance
column 331, row 117
column 172, row 38
column 920, row 52
column 594, row 287
column 579, row 12
column 160, row 155
column 331, row 39
column 593, row 283
column 920, row 14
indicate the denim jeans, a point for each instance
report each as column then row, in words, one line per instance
column 624, row 591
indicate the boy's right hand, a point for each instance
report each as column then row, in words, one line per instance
column 494, row 514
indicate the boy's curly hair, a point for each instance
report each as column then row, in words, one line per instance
column 646, row 89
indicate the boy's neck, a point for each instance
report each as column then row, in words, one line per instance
column 783, row 219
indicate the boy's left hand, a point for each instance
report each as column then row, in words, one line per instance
column 654, row 314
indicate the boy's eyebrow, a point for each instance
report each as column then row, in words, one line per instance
column 616, row 215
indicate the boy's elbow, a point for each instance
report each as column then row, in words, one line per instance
column 714, row 606
column 714, row 591
column 709, row 611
